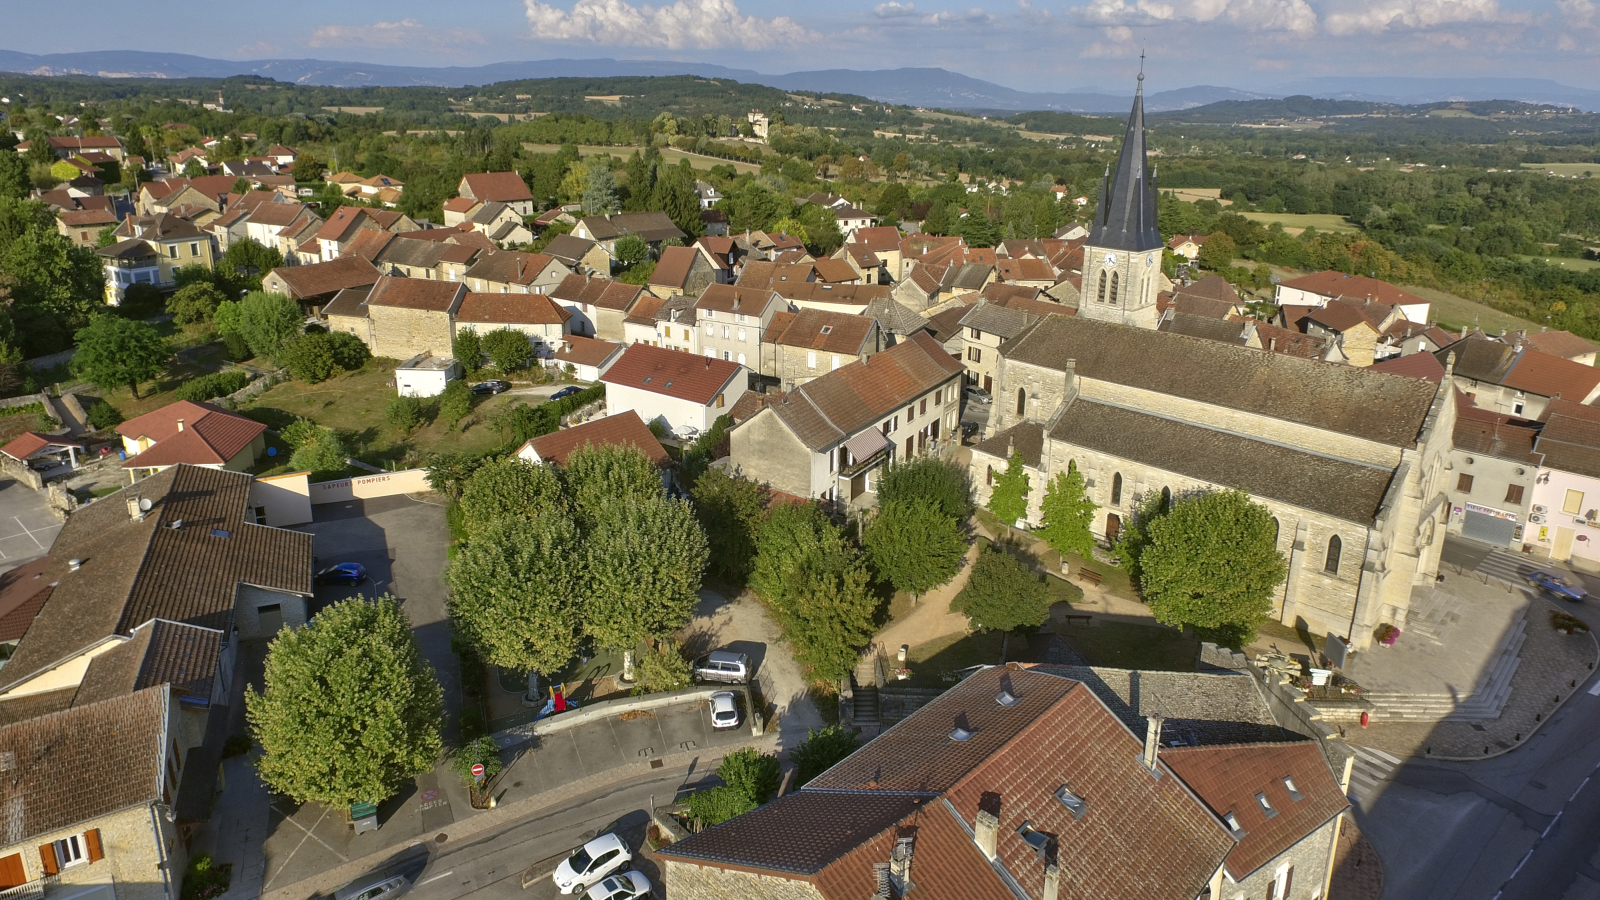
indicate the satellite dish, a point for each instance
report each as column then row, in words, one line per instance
column 145, row 505
column 272, row 451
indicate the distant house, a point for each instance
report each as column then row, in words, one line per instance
column 598, row 305
column 623, row 429
column 684, row 393
column 1320, row 287
column 582, row 256
column 590, row 359
column 681, row 270
column 1564, row 344
column 1187, row 245
column 536, row 315
column 150, row 249
column 662, row 323
column 347, row 222
column 514, row 272
column 709, row 195
column 733, row 322
column 68, row 145
column 82, row 226
column 1517, row 381
column 314, row 286
column 267, row 222
column 500, row 221
column 198, row 434
column 425, row 375
column 814, row 342
column 498, row 187
column 650, row 227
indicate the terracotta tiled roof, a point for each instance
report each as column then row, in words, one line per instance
column 1277, row 339
column 682, row 376
column 672, row 269
column 461, row 204
column 1570, row 440
column 511, row 309
column 1195, row 305
column 29, row 443
column 600, row 292
column 23, row 591
column 835, row 271
column 505, row 187
column 826, row 331
column 568, row 249
column 1027, row 269
column 1542, row 373
column 625, row 429
column 1416, row 365
column 1338, row 316
column 1337, row 284
column 509, row 267
column 729, row 298
column 325, row 279
column 773, row 838
column 210, row 435
column 585, row 351
column 879, row 238
column 649, row 226
column 84, row 218
column 1494, row 437
column 279, row 214
column 1564, row 344
column 417, row 293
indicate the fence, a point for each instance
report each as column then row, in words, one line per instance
column 405, row 481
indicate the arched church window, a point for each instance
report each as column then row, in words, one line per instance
column 1116, row 489
column 1102, row 292
column 1022, row 401
column 1114, row 279
column 1166, row 498
column 1335, row 547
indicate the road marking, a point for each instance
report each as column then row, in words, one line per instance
column 1552, row 824
column 1595, row 691
column 436, row 877
column 29, row 533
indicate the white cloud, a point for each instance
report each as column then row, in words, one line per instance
column 973, row 16
column 1295, row 16
column 908, row 14
column 1390, row 15
column 894, row 9
column 1578, row 12
column 686, row 23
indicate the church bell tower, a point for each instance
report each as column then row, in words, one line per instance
column 1122, row 255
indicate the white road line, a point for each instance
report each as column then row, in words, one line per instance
column 436, row 877
column 1595, row 691
column 1579, row 789
column 1524, row 862
column 29, row 533
column 1552, row 824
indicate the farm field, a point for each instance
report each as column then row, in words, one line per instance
column 1297, row 223
column 1569, row 169
column 670, row 154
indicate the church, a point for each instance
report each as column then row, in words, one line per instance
column 1350, row 462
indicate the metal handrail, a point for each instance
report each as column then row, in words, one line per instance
column 35, row 888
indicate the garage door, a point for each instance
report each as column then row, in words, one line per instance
column 1489, row 529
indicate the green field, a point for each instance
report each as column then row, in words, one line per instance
column 669, row 154
column 1292, row 221
column 1454, row 312
column 1593, row 169
column 1582, row 265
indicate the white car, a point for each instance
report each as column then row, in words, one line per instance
column 628, row 886
column 590, row 863
column 724, row 710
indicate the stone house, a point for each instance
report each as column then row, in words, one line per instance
column 588, row 358
column 1035, row 781
column 579, row 255
column 512, row 272
column 883, row 241
column 267, row 222
column 813, row 342
column 665, row 323
column 682, row 270
column 314, row 286
column 196, row 434
column 1494, row 466
column 987, row 326
column 686, row 394
column 650, row 227
column 347, row 313
column 347, row 222
column 408, row 316
column 1351, row 463
column 1404, row 338
column 598, row 305
column 732, row 324
column 1517, row 381
column 82, row 226
column 542, row 320
column 825, row 439
column 431, row 255
column 498, row 187
column 1343, row 323
column 500, row 222
column 1025, row 271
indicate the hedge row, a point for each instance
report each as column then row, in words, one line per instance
column 209, row 387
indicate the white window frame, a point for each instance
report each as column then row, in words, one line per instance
column 811, row 359
column 72, row 850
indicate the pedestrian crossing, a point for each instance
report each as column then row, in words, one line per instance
column 1372, row 768
column 1507, row 567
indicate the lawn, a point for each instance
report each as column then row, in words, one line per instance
column 668, row 154
column 1581, row 265
column 1453, row 312
column 154, row 395
column 1569, row 169
column 1291, row 221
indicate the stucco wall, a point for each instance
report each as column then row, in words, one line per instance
column 249, row 600
column 366, row 487
column 1309, row 860
column 765, row 451
column 283, row 499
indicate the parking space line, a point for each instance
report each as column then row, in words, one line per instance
column 1595, row 691
column 18, row 520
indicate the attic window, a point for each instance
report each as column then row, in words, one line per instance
column 1006, row 698
column 1074, row 804
column 667, row 385
column 827, row 329
column 220, row 532
column 1294, row 792
column 647, row 378
column 1266, row 805
column 1038, row 840
column 1233, row 823
column 960, row 734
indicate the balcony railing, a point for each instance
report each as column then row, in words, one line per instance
column 31, row 890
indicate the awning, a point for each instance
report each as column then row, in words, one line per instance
column 864, row 445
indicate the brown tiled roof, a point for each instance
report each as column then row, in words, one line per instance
column 328, row 278
column 1338, row 316
column 416, row 293
column 158, row 653
column 1345, row 490
column 835, row 271
column 672, row 373
column 1541, row 373
column 461, row 204
column 818, row 292
column 29, row 443
column 567, row 248
column 649, row 226
column 1417, row 365
column 279, row 214
column 601, row 292
column 23, row 591
column 1026, row 439
column 1277, row 339
column 863, row 256
column 368, row 244
column 1564, row 344
column 991, row 319
column 1342, row 399
column 644, row 311
column 1026, row 269
column 730, row 298
column 509, row 267
column 879, row 238
column 827, row 331
column 341, row 223
column 505, row 187
column 1401, row 329
column 1211, row 287
column 1570, row 440
column 1194, row 305
column 584, row 351
column 351, row 302
column 625, row 429
column 210, row 435
column 83, row 218
column 1495, row 438
column 511, row 309
column 672, row 269
column 946, row 324
column 113, row 751
column 776, row 837
column 1228, row 780
column 1208, row 327
column 1338, row 284
column 947, row 865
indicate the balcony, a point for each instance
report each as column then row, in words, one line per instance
column 32, row 890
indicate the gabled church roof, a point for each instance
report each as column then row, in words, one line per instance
column 1126, row 219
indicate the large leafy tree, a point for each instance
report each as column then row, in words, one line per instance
column 823, row 236
column 14, row 182
column 645, row 560
column 194, row 303
column 268, row 322
column 246, row 262
column 508, row 348
column 113, row 352
column 598, row 476
column 1002, row 594
column 1008, row 499
column 815, row 580
column 674, row 194
column 729, row 510
column 821, row 751
column 512, row 592
column 1213, row 563
column 509, row 488
column 1067, row 513
column 928, row 477
column 349, row 710
column 630, row 250
column 914, row 545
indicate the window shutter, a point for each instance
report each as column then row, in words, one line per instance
column 1272, row 890
column 47, row 855
column 11, row 872
column 1288, row 881
column 92, row 839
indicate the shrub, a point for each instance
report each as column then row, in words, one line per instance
column 404, row 413
column 468, row 349
column 103, row 415
column 207, row 387
column 821, row 750
column 508, row 349
column 662, row 669
column 206, row 879
column 318, row 357
column 194, row 303
column 752, row 773
column 455, row 402
column 718, row 805
column 479, row 751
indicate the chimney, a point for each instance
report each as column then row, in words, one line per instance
column 1152, row 741
column 1052, row 881
column 180, row 424
column 986, row 833
column 900, row 865
column 134, row 512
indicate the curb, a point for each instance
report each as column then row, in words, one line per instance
column 583, row 715
column 485, row 820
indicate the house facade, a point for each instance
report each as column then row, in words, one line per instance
column 408, row 316
column 731, row 323
column 684, row 393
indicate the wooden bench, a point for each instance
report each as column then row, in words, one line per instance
column 1077, row 619
column 1089, row 576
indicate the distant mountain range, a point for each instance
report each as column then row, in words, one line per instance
column 931, row 87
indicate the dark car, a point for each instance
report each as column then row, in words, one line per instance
column 491, row 387
column 1566, row 587
column 970, row 429
column 566, row 392
column 343, row 573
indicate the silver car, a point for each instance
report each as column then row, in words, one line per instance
column 627, row 886
column 377, row 886
column 725, row 666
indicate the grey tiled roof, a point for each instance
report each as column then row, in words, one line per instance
column 1026, row 438
column 895, row 317
column 1199, row 708
column 1207, row 327
column 992, row 319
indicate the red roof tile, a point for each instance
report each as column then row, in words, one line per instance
column 672, row 373
column 511, row 309
column 416, row 293
column 1337, row 284
column 585, row 351
column 672, row 270
column 210, row 435
column 319, row 279
column 1541, row 373
column 625, row 429
column 504, row 187
column 1417, row 365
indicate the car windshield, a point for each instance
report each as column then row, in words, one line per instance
column 580, row 860
column 612, row 885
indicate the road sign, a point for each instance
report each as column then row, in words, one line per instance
column 477, row 771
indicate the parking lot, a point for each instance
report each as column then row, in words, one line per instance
column 27, row 527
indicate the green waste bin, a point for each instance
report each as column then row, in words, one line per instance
column 364, row 816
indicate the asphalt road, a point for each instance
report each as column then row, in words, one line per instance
column 27, row 527
column 1523, row 825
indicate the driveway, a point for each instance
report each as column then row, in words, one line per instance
column 27, row 527
column 742, row 625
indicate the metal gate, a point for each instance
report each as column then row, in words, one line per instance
column 1488, row 529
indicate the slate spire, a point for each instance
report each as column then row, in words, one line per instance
column 1126, row 219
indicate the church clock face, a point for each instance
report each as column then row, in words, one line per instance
column 1149, row 259
column 1111, row 260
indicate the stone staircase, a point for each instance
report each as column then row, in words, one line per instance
column 864, row 689
column 1485, row 701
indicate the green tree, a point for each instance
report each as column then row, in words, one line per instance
column 630, row 250
column 448, row 473
column 193, row 169
column 714, row 806
column 1135, row 535
column 509, row 488
column 1008, row 499
column 246, row 262
column 194, row 304
column 599, row 192
column 349, row 711
column 1002, row 594
column 641, row 173
column 1213, row 563
column 309, row 169
column 823, row 236
column 663, row 669
column 675, row 195
column 509, row 349
column 309, row 358
column 600, row 475
column 1067, row 513
column 482, row 751
column 914, row 546
column 14, row 183
column 317, row 449
column 1218, row 252
column 268, row 322
column 821, row 751
column 512, row 592
column 928, row 477
column 403, row 413
column 468, row 348
column 113, row 352
column 645, row 562
column 729, row 509
column 940, row 219
column 816, row 583
column 752, row 773
column 455, row 402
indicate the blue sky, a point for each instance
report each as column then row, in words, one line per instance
column 1027, row 44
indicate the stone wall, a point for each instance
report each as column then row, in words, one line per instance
column 21, row 473
column 131, row 841
column 249, row 600
column 687, row 881
column 401, row 333
column 1304, row 866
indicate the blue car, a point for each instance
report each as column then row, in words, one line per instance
column 565, row 392
column 1566, row 587
column 343, row 573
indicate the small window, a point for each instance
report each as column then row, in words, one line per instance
column 827, row 329
column 70, row 851
column 811, row 359
column 1464, row 483
column 1266, row 805
column 1116, row 489
column 172, row 251
column 1514, row 493
column 1573, row 504
column 1331, row 562
column 1115, row 277
column 835, row 361
column 1022, row 401
column 720, row 398
column 911, row 412
column 1233, row 823
column 1294, row 792
column 924, row 405
column 194, row 249
column 1101, row 293
column 976, row 334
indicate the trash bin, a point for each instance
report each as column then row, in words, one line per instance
column 364, row 816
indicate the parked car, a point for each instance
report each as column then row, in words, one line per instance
column 567, row 391
column 384, row 884
column 343, row 573
column 1567, row 587
column 491, row 387
column 970, row 429
column 978, row 395
column 590, row 863
column 627, row 886
column 724, row 666
column 724, row 710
